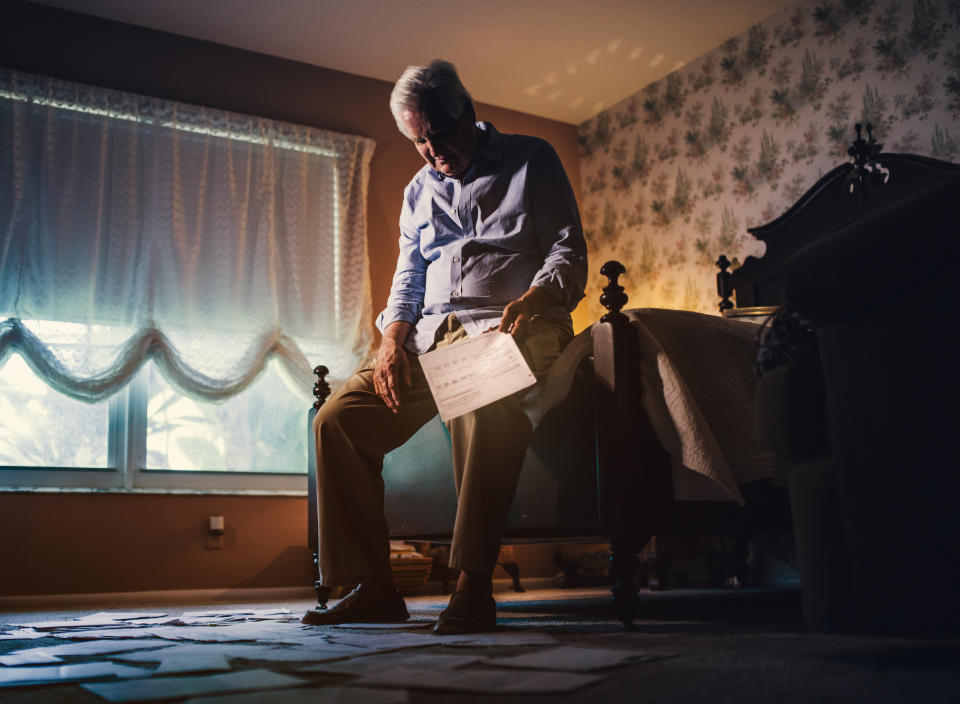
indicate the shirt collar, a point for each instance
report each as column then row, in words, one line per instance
column 492, row 151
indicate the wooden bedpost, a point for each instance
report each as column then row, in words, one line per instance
column 634, row 483
column 321, row 390
column 724, row 283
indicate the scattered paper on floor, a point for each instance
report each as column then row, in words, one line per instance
column 273, row 653
column 180, row 687
column 194, row 663
column 34, row 656
column 50, row 674
column 193, row 649
column 100, row 633
column 497, row 639
column 236, row 613
column 485, row 681
column 326, row 695
column 383, row 642
column 96, row 647
column 102, row 618
column 411, row 624
column 271, row 632
column 373, row 663
column 572, row 658
column 308, row 654
column 23, row 634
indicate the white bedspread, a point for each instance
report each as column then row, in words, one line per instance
column 698, row 386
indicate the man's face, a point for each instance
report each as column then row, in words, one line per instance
column 447, row 145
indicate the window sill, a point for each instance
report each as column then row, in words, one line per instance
column 149, row 491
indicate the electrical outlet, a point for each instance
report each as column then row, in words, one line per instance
column 217, row 525
column 216, row 529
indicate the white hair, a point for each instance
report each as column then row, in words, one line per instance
column 438, row 81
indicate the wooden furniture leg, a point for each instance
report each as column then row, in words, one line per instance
column 321, row 390
column 513, row 569
column 634, row 482
column 624, row 563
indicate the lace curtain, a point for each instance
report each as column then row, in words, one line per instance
column 135, row 228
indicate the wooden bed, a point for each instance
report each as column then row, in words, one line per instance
column 595, row 470
column 859, row 388
column 873, row 181
column 597, row 467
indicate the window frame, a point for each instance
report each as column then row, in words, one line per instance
column 126, row 468
column 126, row 460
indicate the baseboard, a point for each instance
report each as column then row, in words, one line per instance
column 106, row 600
column 49, row 602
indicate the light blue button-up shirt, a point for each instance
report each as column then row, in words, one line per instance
column 471, row 246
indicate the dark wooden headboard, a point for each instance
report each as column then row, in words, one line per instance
column 872, row 181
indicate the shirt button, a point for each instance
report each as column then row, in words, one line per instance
column 456, row 259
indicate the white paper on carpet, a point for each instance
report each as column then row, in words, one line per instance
column 23, row 634
column 326, row 695
column 180, row 687
column 34, row 656
column 572, row 658
column 193, row 663
column 96, row 647
column 485, row 681
column 319, row 652
column 51, row 674
column 372, row 663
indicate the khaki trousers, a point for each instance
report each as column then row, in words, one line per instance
column 354, row 430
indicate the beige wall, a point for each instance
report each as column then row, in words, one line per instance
column 55, row 544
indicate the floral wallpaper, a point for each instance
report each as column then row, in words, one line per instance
column 675, row 174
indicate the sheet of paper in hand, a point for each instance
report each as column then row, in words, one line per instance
column 470, row 374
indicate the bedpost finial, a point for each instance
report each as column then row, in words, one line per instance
column 724, row 283
column 613, row 298
column 864, row 153
column 321, row 389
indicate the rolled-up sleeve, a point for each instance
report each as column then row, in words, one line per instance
column 409, row 281
column 559, row 232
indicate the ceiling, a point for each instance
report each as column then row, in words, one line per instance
column 562, row 59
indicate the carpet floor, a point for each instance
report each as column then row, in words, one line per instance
column 715, row 646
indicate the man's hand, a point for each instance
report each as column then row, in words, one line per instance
column 518, row 314
column 392, row 365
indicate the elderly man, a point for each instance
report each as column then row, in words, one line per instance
column 490, row 239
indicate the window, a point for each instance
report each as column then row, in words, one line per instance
column 42, row 428
column 169, row 275
column 152, row 435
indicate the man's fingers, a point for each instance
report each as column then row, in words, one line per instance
column 384, row 387
column 517, row 327
column 509, row 322
column 392, row 391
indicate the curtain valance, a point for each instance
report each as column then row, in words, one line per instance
column 136, row 228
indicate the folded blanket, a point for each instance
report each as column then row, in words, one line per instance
column 698, row 385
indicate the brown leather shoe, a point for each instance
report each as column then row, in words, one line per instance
column 362, row 605
column 467, row 613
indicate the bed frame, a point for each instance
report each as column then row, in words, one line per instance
column 858, row 386
column 850, row 192
column 621, row 489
